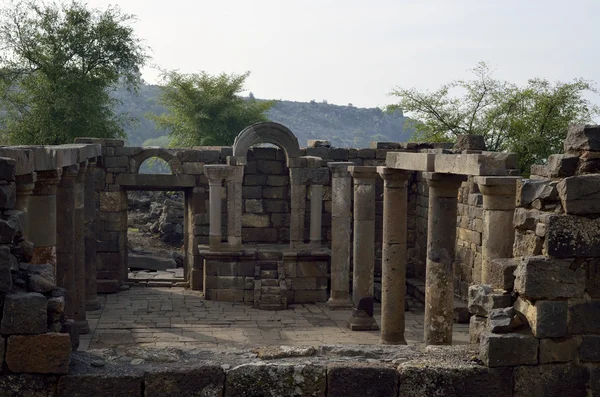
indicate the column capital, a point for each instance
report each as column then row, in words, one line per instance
column 393, row 177
column 70, row 171
column 339, row 169
column 83, row 166
column 220, row 172
column 497, row 185
column 46, row 182
column 363, row 175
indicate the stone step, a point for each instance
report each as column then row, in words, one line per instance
column 270, row 282
column 271, row 290
column 271, row 306
column 270, row 298
column 269, row 274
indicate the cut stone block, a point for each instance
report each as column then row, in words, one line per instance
column 45, row 353
column 558, row 350
column 483, row 298
column 550, row 380
column 547, row 319
column 529, row 190
column 589, row 350
column 582, row 137
column 501, row 274
column 572, row 236
column 502, row 321
column 541, row 278
column 562, row 165
column 359, row 380
column 206, row 380
column 24, row 314
column 508, row 350
column 580, row 195
column 411, row 161
column 469, row 142
column 470, row 164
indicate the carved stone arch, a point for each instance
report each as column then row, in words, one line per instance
column 267, row 132
column 164, row 154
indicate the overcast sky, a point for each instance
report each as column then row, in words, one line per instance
column 357, row 51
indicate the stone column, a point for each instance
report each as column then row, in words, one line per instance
column 441, row 242
column 89, row 215
column 65, row 233
column 393, row 269
column 41, row 217
column 79, row 251
column 298, row 209
column 364, row 248
column 25, row 185
column 316, row 214
column 499, row 195
column 234, row 207
column 341, row 223
column 215, row 174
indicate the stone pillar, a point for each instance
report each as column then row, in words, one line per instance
column 25, row 185
column 234, row 207
column 65, row 234
column 41, row 217
column 341, row 223
column 441, row 242
column 215, row 213
column 393, row 269
column 364, row 248
column 499, row 195
column 79, row 251
column 298, row 209
column 316, row 214
column 89, row 215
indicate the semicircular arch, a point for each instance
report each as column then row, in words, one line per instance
column 265, row 132
column 161, row 153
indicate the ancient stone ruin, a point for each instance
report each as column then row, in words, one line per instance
column 271, row 225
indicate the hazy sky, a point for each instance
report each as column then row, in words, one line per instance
column 350, row 51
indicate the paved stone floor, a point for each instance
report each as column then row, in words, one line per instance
column 176, row 317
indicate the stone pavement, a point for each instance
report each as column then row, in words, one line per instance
column 176, row 317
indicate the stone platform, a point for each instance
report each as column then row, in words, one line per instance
column 175, row 317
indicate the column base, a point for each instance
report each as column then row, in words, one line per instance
column 392, row 339
column 339, row 304
column 91, row 305
column 82, row 326
column 361, row 321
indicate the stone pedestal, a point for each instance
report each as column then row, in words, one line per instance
column 499, row 194
column 341, row 223
column 393, row 277
column 297, row 209
column 234, row 207
column 89, row 216
column 65, row 237
column 41, row 217
column 25, row 185
column 441, row 242
column 364, row 248
column 316, row 214
column 79, row 252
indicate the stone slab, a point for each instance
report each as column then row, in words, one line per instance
column 411, row 161
column 470, row 164
column 24, row 159
column 359, row 380
column 507, row 350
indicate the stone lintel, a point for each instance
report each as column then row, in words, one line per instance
column 309, row 176
column 411, row 161
column 24, row 158
column 85, row 152
column 470, row 164
column 497, row 180
column 101, row 141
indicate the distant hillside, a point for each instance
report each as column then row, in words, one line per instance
column 344, row 126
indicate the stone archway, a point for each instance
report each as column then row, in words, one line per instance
column 164, row 154
column 267, row 132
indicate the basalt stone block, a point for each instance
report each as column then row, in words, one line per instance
column 5, row 270
column 562, row 165
column 572, row 236
column 589, row 350
column 529, row 190
column 360, row 379
column 252, row 192
column 256, row 220
column 547, row 319
column 508, row 350
column 582, row 137
column 525, row 219
column 558, row 350
column 207, row 380
column 501, row 273
column 45, row 353
column 527, row 243
column 254, row 206
column 8, row 195
column 26, row 385
column 482, row 299
column 580, row 195
column 117, row 383
column 550, row 380
column 41, row 278
column 541, row 278
column 260, row 379
column 501, row 321
column 469, row 142
column 270, row 167
column 439, row 380
column 24, row 313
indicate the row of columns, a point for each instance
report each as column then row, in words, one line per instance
column 60, row 210
column 498, row 204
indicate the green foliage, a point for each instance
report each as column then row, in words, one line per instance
column 531, row 121
column 155, row 165
column 161, row 141
column 205, row 110
column 59, row 64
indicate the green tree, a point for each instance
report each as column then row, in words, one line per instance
column 531, row 120
column 59, row 64
column 205, row 110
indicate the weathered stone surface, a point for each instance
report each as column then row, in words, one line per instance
column 525, row 219
column 547, row 319
column 469, row 142
column 318, row 143
column 550, row 380
column 256, row 220
column 501, row 321
column 41, row 278
column 8, row 195
column 482, row 299
column 580, row 195
column 507, row 350
column 529, row 190
column 539, row 277
column 477, row 326
column 361, row 380
column 558, row 350
column 501, row 275
column 437, row 380
column 562, row 165
column 411, row 161
column 45, row 353
column 25, row 385
column 582, row 137
column 527, row 243
column 572, row 236
column 207, row 380
column 5, row 270
column 24, row 313
column 470, row 164
column 259, row 379
column 589, row 350
column 101, row 385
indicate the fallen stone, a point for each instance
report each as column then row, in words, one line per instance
column 547, row 319
column 150, row 262
column 541, row 278
column 508, row 350
column 205, row 380
column 558, row 350
column 582, row 137
column 45, row 353
column 24, row 314
column 483, row 298
column 361, row 379
column 550, row 380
